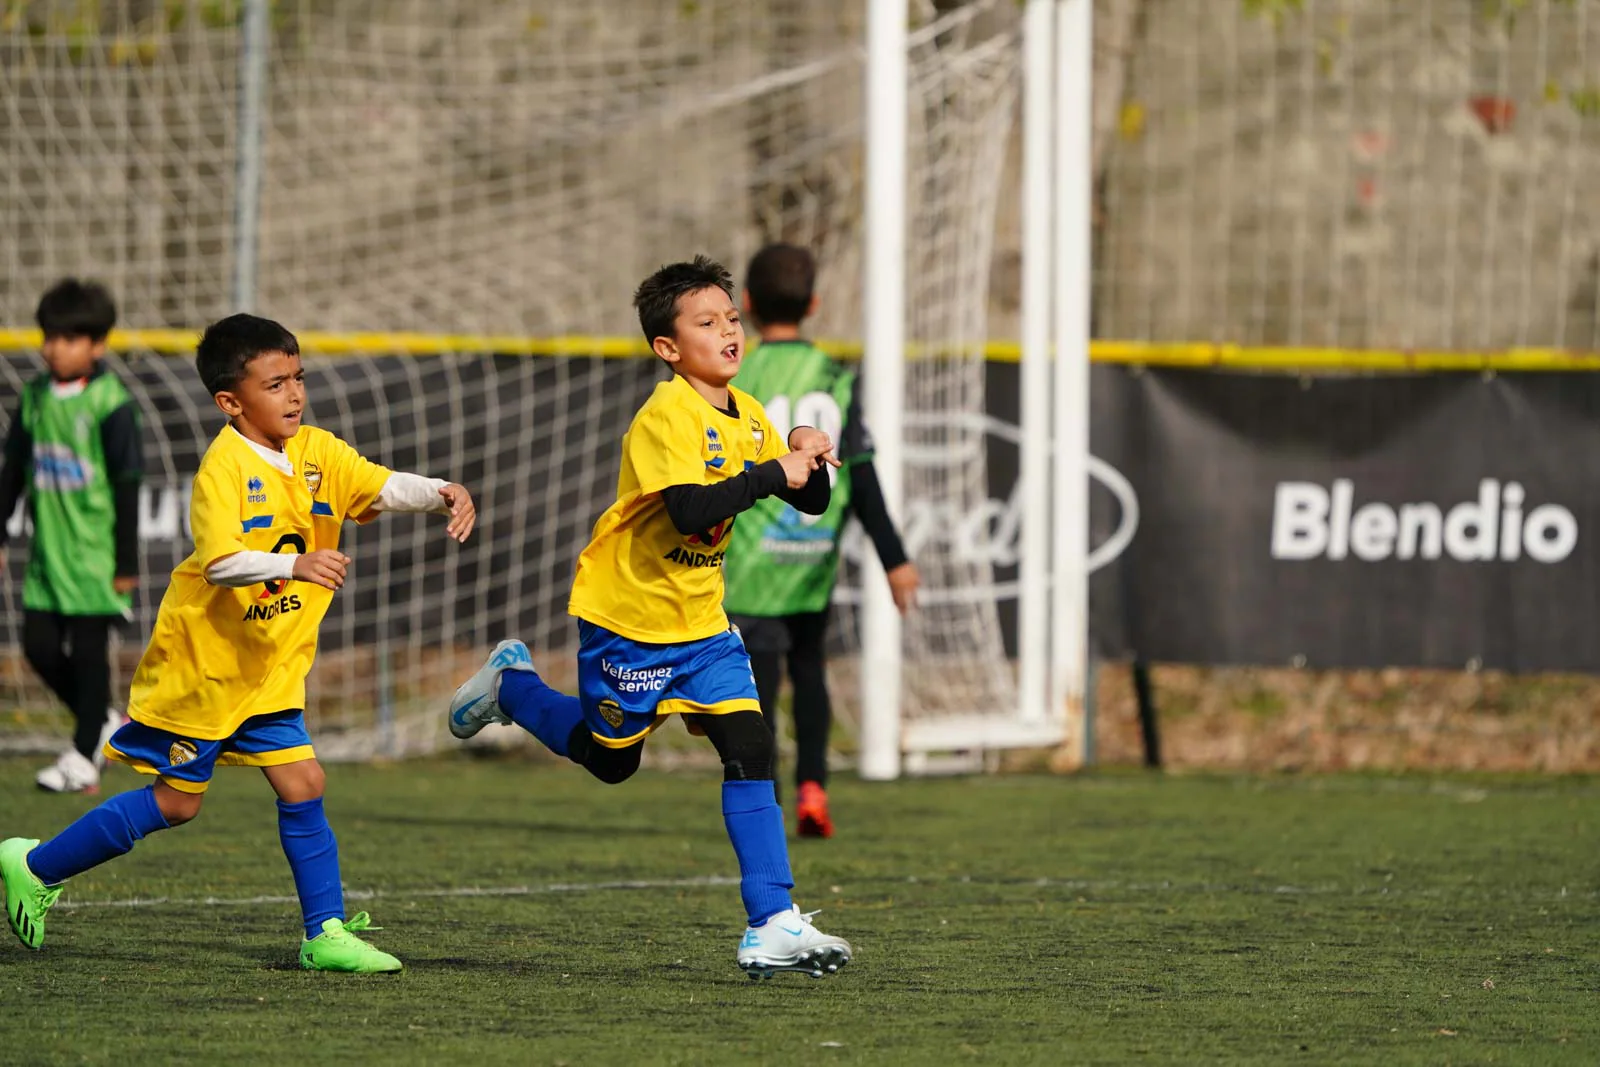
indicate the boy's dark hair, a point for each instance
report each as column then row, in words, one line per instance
column 780, row 282
column 230, row 344
column 76, row 309
column 658, row 295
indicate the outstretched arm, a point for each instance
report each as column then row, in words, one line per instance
column 415, row 494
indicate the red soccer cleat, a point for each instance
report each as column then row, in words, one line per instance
column 811, row 811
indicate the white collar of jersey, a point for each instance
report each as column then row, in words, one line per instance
column 277, row 459
column 64, row 390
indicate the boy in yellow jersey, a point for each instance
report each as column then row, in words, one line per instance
column 653, row 639
column 223, row 680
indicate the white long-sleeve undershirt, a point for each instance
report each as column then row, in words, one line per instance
column 251, row 568
column 402, row 492
column 411, row 493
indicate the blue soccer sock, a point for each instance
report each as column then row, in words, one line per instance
column 314, row 859
column 538, row 709
column 755, row 826
column 104, row 833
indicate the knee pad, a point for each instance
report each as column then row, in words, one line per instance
column 612, row 766
column 614, row 773
column 748, row 753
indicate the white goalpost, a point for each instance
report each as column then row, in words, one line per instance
column 1052, row 588
column 1033, row 584
column 883, row 369
column 1071, row 234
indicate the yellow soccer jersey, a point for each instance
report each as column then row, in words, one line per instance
column 639, row 577
column 220, row 655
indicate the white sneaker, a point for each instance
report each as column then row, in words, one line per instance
column 477, row 704
column 71, row 773
column 788, row 942
column 115, row 720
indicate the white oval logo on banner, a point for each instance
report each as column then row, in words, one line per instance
column 985, row 533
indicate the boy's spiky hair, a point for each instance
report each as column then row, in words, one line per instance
column 657, row 296
column 230, row 344
column 74, row 308
column 780, row 282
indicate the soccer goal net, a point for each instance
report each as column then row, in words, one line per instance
column 457, row 200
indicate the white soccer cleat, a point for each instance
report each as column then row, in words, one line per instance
column 788, row 942
column 71, row 773
column 476, row 704
column 114, row 722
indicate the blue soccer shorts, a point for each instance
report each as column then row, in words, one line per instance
column 186, row 763
column 628, row 688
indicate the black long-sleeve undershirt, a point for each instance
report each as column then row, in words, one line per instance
column 125, row 502
column 14, row 470
column 866, row 501
column 119, row 442
column 866, row 493
column 693, row 508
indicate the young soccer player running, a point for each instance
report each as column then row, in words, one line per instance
column 652, row 637
column 223, row 680
column 782, row 566
column 73, row 444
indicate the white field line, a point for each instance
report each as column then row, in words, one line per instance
column 1074, row 884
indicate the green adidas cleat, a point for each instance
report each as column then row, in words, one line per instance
column 27, row 898
column 338, row 948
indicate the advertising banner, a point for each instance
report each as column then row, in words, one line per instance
column 1440, row 520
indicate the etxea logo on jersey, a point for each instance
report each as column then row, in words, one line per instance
column 1311, row 522
column 59, row 467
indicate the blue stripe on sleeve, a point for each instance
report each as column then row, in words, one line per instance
column 257, row 522
column 319, row 507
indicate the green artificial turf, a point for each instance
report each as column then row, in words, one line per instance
column 1111, row 918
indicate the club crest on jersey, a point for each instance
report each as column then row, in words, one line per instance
column 611, row 712
column 313, row 475
column 758, row 433
column 182, row 752
column 256, row 491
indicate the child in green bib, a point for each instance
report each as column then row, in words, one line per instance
column 73, row 447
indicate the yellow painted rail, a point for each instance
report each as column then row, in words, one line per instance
column 1149, row 353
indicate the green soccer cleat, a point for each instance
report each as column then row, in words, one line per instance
column 27, row 898
column 338, row 948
